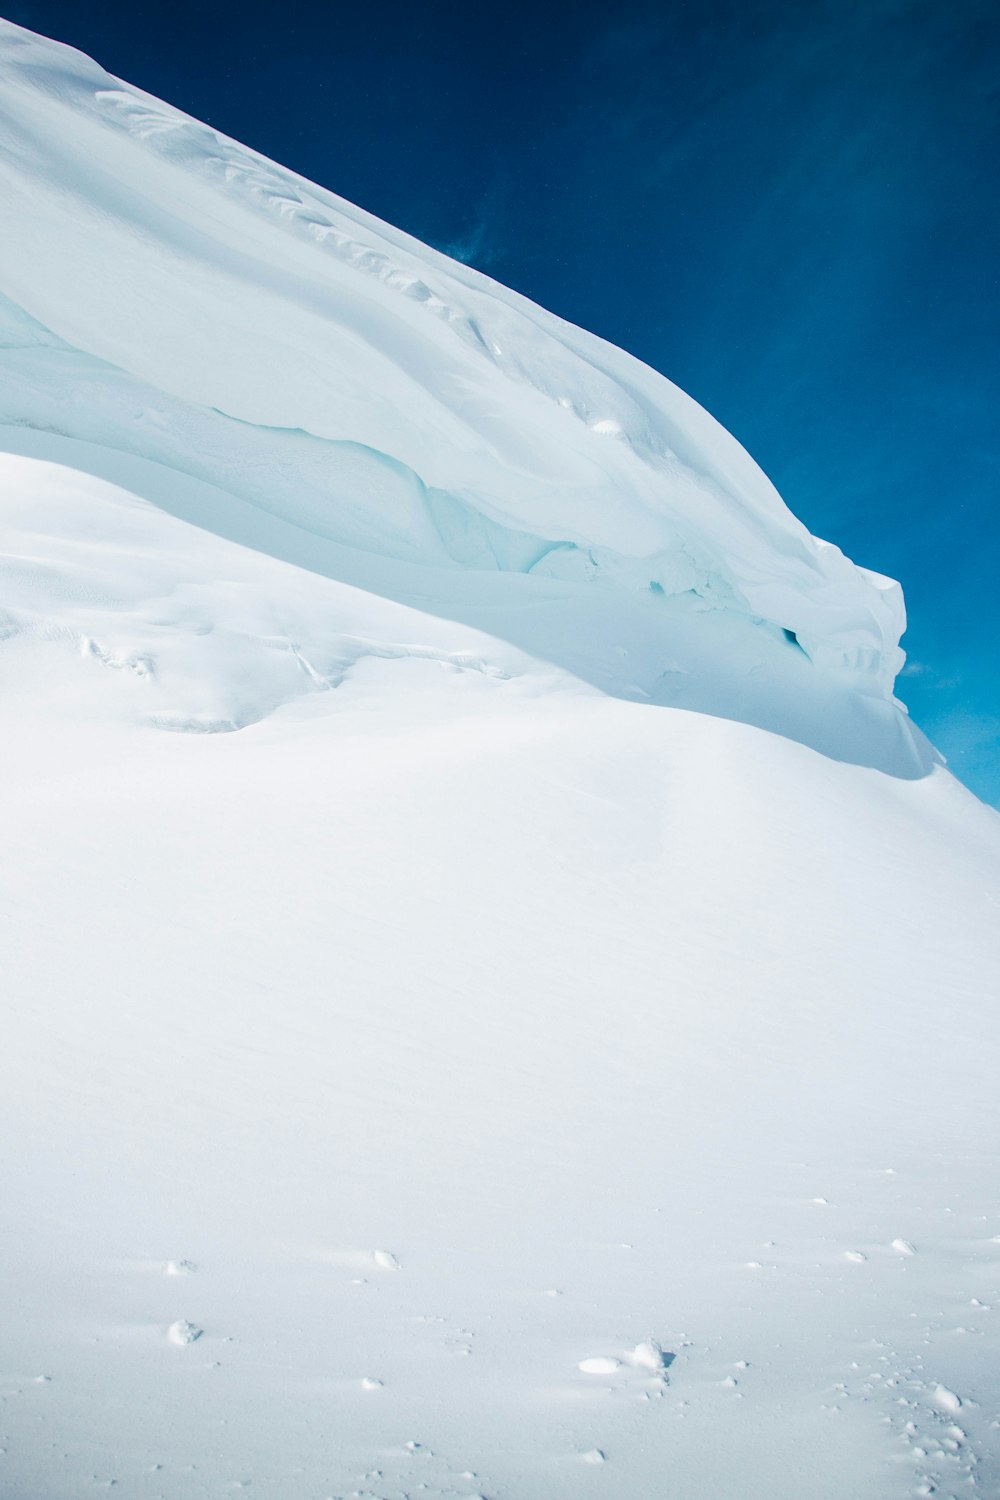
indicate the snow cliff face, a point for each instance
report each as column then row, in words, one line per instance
column 487, row 1013
column 265, row 337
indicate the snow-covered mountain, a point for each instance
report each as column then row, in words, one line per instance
column 530, row 1029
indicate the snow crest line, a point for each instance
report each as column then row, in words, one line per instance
column 494, row 433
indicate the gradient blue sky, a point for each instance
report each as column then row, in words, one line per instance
column 791, row 209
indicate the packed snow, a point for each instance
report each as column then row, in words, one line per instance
column 500, row 999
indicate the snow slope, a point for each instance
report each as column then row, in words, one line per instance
column 446, row 417
column 500, row 999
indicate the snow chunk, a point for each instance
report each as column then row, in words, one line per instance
column 183, row 1332
column 649, row 1356
column 180, row 1268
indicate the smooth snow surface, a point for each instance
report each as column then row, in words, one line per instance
column 500, row 1000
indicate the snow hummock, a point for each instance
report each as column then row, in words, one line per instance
column 500, row 998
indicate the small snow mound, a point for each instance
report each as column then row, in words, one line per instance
column 180, row 1268
column 904, row 1247
column 649, row 1356
column 600, row 1365
column 946, row 1400
column 182, row 1332
column 595, row 1456
column 855, row 1257
column 369, row 1383
column 386, row 1260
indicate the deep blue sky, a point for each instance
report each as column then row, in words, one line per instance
column 791, row 209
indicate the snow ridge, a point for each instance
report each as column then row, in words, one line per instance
column 356, row 384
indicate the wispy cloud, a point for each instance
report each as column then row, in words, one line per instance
column 481, row 239
column 472, row 247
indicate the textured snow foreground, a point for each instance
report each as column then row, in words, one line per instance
column 547, row 1047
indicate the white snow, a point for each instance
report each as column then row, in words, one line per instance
column 648, row 1356
column 466, row 968
column 182, row 1332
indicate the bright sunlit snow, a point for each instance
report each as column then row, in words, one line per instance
column 500, row 999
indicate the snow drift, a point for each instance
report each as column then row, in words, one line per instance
column 500, row 997
column 267, row 337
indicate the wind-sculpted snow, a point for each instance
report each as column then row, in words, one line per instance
column 224, row 612
column 224, row 317
column 486, row 1013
